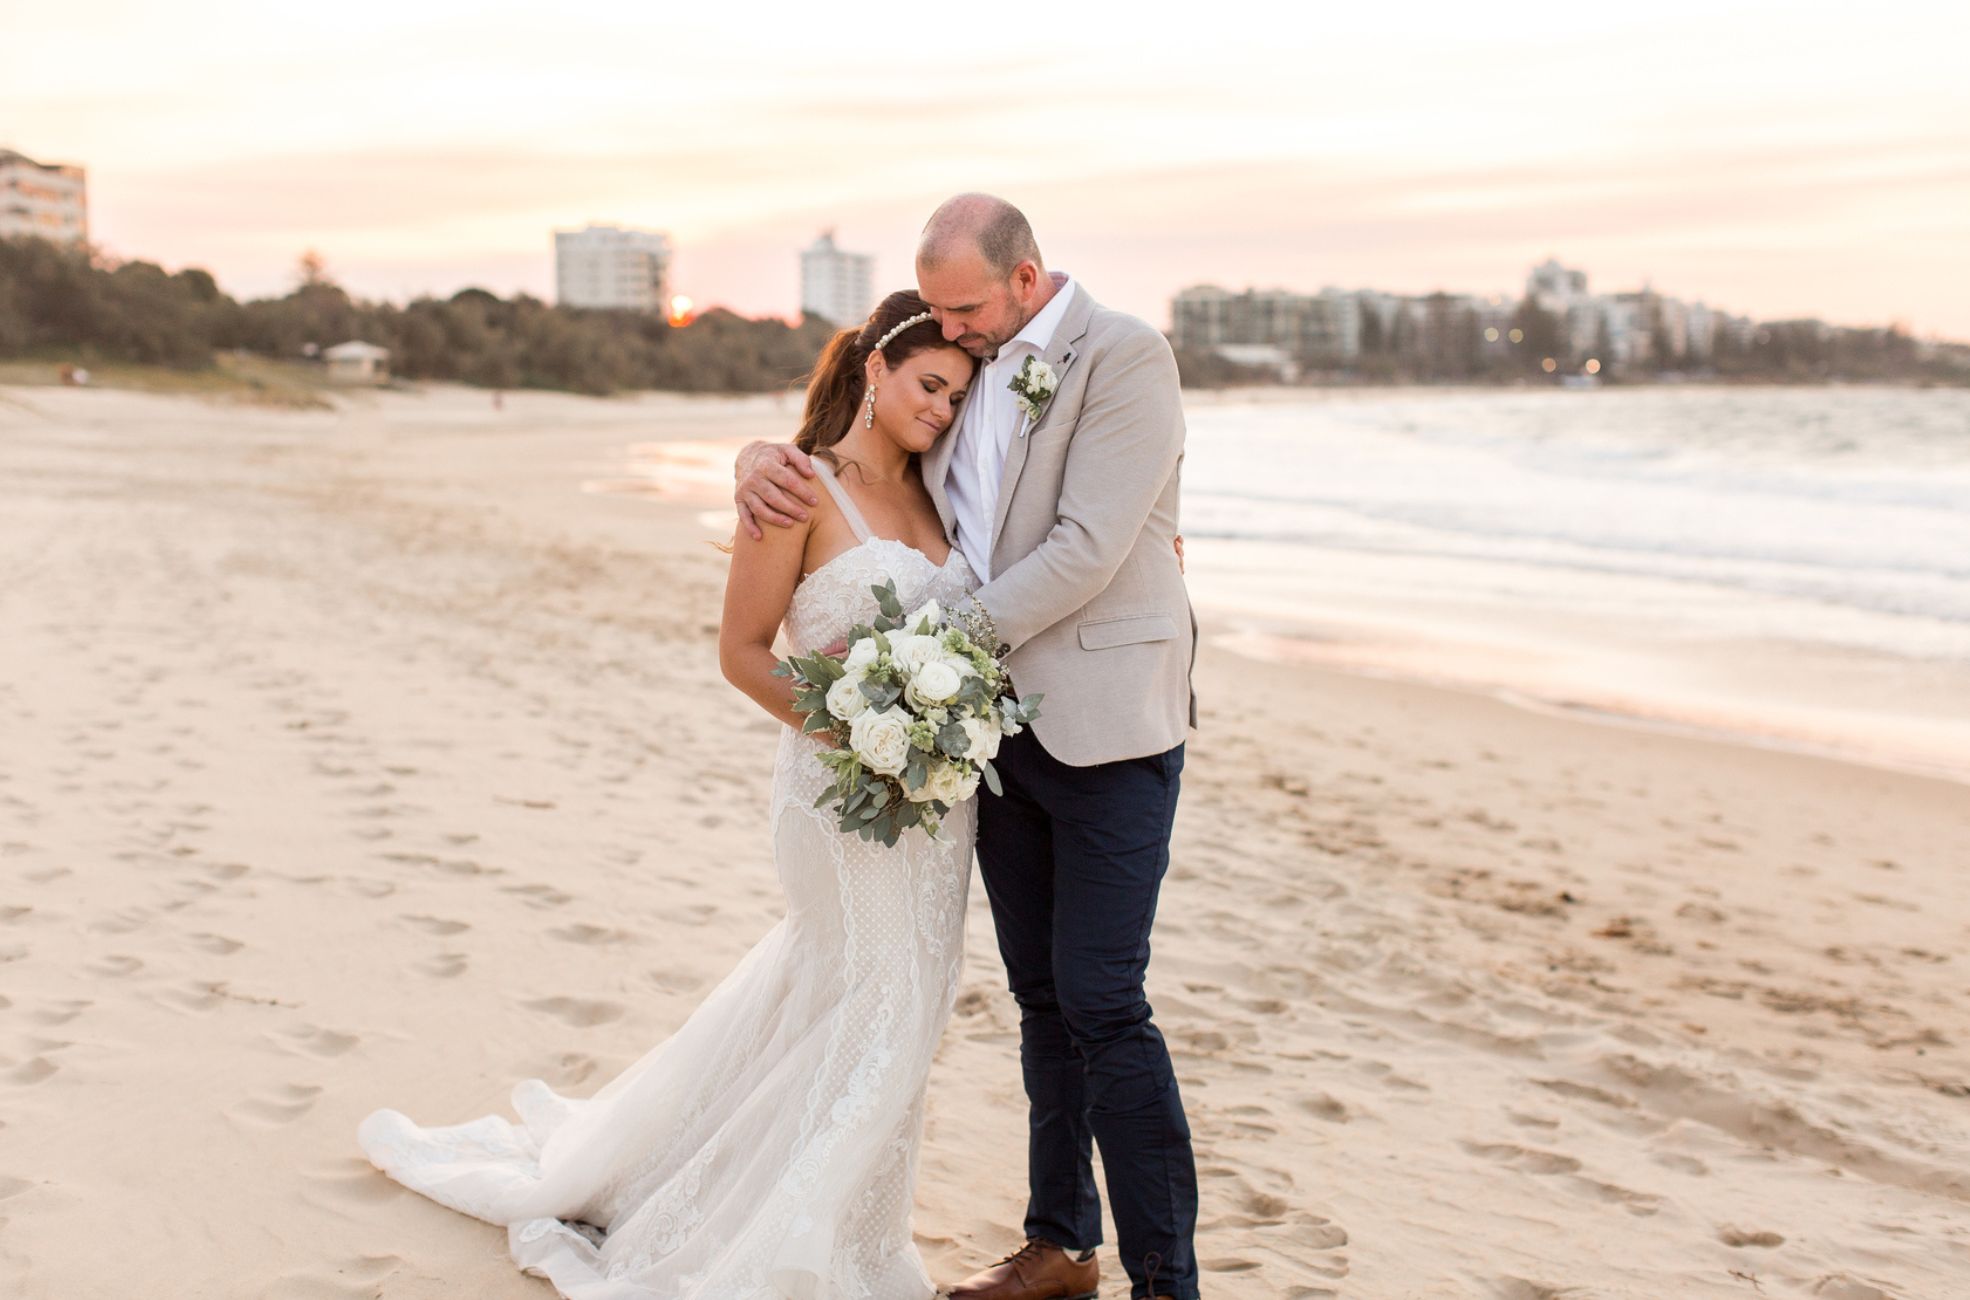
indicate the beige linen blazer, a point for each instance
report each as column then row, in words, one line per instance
column 1086, row 588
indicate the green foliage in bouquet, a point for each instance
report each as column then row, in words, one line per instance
column 913, row 734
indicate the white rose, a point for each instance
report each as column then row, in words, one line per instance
column 881, row 740
column 962, row 663
column 970, row 786
column 983, row 737
column 911, row 652
column 931, row 610
column 944, row 784
column 845, row 698
column 1043, row 378
column 935, row 682
column 860, row 655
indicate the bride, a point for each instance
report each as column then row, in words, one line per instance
column 768, row 1148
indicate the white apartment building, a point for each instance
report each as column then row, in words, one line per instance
column 1326, row 325
column 837, row 286
column 1555, row 288
column 612, row 266
column 50, row 200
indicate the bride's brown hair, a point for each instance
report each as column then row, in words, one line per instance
column 837, row 385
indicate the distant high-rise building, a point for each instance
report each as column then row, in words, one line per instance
column 834, row 285
column 50, row 200
column 1555, row 288
column 612, row 266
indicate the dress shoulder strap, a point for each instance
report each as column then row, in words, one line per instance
column 840, row 494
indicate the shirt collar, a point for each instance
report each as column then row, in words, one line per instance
column 1039, row 331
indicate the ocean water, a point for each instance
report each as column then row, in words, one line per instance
column 1788, row 564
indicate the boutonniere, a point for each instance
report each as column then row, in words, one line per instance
column 1033, row 385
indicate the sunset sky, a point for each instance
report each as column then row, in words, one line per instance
column 1783, row 160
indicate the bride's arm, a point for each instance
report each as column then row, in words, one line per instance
column 758, row 588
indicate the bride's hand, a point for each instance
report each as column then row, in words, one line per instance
column 771, row 486
column 1179, row 546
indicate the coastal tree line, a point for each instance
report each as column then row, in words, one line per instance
column 67, row 304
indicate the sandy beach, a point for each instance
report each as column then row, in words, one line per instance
column 362, row 758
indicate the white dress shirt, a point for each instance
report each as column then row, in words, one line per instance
column 986, row 425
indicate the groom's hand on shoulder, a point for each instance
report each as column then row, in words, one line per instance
column 771, row 486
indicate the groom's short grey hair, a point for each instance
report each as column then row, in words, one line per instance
column 998, row 231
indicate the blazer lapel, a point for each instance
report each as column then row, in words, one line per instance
column 1060, row 354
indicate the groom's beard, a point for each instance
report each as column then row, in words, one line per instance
column 986, row 348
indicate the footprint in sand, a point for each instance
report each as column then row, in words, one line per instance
column 446, row 965
column 1531, row 1160
column 314, row 1040
column 122, row 921
column 217, row 944
column 1731, row 1236
column 115, row 966
column 582, row 932
column 359, row 1277
column 1325, row 1106
column 582, row 1013
column 540, row 895
column 1682, row 1164
column 32, row 1071
column 1637, row 1203
column 437, row 924
column 199, row 998
column 972, row 1002
column 275, row 1106
column 665, row 981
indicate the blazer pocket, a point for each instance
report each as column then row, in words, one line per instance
column 1104, row 633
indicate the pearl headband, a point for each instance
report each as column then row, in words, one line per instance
column 886, row 339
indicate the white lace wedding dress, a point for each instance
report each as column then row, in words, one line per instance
column 768, row 1148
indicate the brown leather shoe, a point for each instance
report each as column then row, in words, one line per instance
column 1039, row 1270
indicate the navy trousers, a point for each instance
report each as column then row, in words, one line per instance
column 1072, row 859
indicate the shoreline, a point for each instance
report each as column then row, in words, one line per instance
column 693, row 473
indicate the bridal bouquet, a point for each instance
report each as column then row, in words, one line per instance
column 916, row 710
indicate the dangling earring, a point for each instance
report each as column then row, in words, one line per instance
column 869, row 414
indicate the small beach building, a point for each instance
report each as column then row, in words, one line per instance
column 356, row 362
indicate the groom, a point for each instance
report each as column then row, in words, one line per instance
column 1069, row 518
